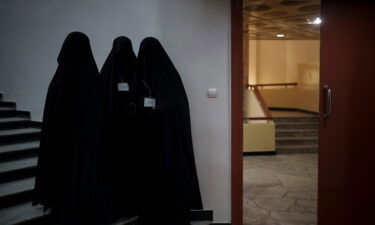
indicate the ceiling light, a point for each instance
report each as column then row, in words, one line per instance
column 280, row 35
column 316, row 21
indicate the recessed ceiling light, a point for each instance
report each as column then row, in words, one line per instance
column 316, row 21
column 280, row 35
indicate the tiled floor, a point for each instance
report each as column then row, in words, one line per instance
column 280, row 189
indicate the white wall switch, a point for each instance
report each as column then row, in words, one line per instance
column 212, row 93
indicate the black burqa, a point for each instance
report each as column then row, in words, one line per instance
column 64, row 140
column 169, row 186
column 117, row 153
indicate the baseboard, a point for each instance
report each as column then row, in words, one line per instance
column 294, row 109
column 220, row 224
column 201, row 215
column 259, row 153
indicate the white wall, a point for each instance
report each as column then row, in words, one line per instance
column 195, row 33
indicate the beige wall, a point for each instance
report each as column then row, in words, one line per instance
column 281, row 61
column 271, row 61
column 277, row 61
column 252, row 61
column 258, row 137
column 304, row 96
column 252, row 106
column 300, row 52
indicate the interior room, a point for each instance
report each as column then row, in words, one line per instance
column 187, row 112
column 281, row 108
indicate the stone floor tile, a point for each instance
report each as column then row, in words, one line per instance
column 298, row 209
column 273, row 192
column 280, row 190
column 303, row 193
column 311, row 205
column 290, row 218
column 252, row 192
column 276, row 204
column 260, row 178
column 247, row 203
column 255, row 215
column 291, row 181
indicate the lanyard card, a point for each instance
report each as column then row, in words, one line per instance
column 150, row 102
column 123, row 86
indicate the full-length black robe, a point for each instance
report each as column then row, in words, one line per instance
column 65, row 137
column 169, row 184
column 116, row 155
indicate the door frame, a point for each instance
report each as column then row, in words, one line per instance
column 236, row 112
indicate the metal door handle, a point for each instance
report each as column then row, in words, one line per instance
column 328, row 107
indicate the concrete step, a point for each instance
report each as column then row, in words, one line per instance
column 7, row 104
column 288, row 149
column 296, row 119
column 26, row 214
column 7, row 109
column 16, row 192
column 19, row 135
column 18, row 150
column 297, row 141
column 296, row 132
column 14, row 122
column 14, row 113
column 297, row 125
column 23, row 214
column 17, row 169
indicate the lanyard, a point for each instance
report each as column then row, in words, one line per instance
column 148, row 88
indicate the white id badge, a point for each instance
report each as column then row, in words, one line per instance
column 123, row 86
column 150, row 102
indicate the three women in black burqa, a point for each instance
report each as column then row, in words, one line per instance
column 104, row 156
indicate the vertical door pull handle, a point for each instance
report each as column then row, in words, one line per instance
column 328, row 107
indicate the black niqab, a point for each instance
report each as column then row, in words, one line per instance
column 169, row 186
column 117, row 158
column 63, row 144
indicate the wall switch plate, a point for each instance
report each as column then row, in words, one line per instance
column 212, row 93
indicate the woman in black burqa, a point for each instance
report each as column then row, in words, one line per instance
column 119, row 132
column 169, row 187
column 62, row 161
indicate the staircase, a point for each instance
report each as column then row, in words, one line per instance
column 297, row 134
column 19, row 142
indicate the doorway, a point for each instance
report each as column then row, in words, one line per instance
column 281, row 108
column 346, row 129
column 280, row 111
